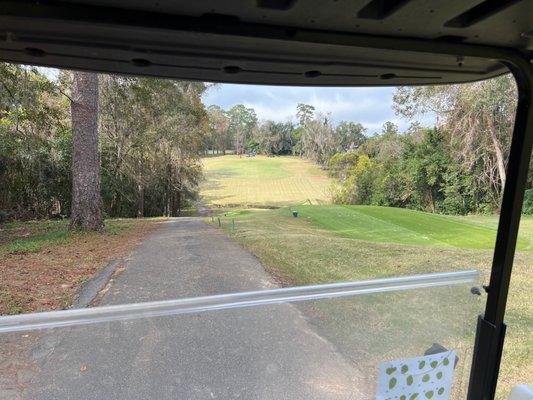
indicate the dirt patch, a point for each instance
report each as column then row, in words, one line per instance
column 49, row 279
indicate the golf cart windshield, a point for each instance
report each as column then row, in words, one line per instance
column 306, row 257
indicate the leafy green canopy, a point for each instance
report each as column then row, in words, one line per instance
column 152, row 133
column 457, row 167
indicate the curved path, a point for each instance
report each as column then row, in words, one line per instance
column 267, row 352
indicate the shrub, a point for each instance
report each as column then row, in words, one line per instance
column 528, row 202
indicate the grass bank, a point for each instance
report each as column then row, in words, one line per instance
column 337, row 243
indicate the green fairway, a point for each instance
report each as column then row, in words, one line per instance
column 262, row 181
column 403, row 226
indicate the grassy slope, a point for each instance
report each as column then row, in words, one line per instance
column 336, row 243
column 402, row 226
column 262, row 181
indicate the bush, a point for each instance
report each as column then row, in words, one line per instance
column 528, row 202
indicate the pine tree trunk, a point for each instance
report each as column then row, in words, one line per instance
column 86, row 210
column 178, row 205
column 140, row 201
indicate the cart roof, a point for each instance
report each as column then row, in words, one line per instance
column 291, row 42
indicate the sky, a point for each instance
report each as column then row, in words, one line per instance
column 370, row 106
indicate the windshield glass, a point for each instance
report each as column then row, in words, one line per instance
column 198, row 240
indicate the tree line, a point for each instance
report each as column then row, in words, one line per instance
column 455, row 167
column 87, row 146
column 313, row 136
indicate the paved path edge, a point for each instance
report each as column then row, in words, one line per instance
column 90, row 289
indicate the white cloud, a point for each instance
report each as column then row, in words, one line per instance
column 370, row 106
column 273, row 111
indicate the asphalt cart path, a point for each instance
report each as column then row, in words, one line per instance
column 265, row 352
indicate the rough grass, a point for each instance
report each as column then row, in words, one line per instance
column 34, row 236
column 333, row 243
column 262, row 181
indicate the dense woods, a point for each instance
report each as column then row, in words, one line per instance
column 151, row 134
column 456, row 167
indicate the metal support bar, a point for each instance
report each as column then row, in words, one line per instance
column 84, row 316
column 491, row 328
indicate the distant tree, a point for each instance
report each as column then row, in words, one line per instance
column 304, row 113
column 318, row 139
column 389, row 128
column 86, row 208
column 274, row 137
column 242, row 121
column 385, row 146
column 350, row 135
column 219, row 134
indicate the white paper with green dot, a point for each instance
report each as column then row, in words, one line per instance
column 418, row 378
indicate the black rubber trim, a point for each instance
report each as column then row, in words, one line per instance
column 381, row 9
column 479, row 13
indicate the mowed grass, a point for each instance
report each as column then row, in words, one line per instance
column 261, row 181
column 341, row 243
column 403, row 226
